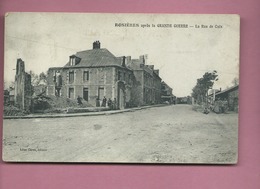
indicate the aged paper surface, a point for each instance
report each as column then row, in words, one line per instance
column 121, row 88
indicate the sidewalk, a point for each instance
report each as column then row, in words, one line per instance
column 32, row 116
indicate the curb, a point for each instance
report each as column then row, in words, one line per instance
column 82, row 114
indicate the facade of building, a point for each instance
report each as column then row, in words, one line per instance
column 92, row 75
column 147, row 82
column 166, row 94
column 97, row 73
column 231, row 96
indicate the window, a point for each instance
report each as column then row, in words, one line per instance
column 85, row 94
column 119, row 75
column 71, row 77
column 86, row 76
column 73, row 60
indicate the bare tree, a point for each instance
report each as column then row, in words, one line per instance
column 235, row 81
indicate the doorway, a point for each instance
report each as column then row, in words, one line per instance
column 85, row 94
column 71, row 92
column 121, row 95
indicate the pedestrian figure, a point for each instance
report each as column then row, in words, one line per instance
column 206, row 110
column 224, row 106
column 97, row 102
column 217, row 106
column 109, row 103
column 115, row 104
column 104, row 102
column 100, row 102
column 79, row 100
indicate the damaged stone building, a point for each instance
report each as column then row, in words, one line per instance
column 96, row 73
column 23, row 87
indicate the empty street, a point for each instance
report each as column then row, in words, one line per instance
column 168, row 134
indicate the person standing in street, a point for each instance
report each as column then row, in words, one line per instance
column 104, row 102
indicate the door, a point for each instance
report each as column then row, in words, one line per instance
column 85, row 94
column 121, row 95
column 71, row 92
column 101, row 93
column 121, row 99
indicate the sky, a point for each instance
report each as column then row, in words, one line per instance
column 173, row 43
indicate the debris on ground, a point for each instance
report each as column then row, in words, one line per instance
column 54, row 104
column 11, row 110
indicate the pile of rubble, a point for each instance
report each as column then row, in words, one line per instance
column 10, row 110
column 48, row 104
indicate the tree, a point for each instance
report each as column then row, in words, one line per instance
column 9, row 84
column 43, row 78
column 38, row 79
column 34, row 78
column 200, row 91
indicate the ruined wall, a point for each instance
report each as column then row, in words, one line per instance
column 23, row 87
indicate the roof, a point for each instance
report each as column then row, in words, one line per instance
column 135, row 65
column 228, row 90
column 96, row 58
column 166, row 85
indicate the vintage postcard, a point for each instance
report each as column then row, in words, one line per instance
column 121, row 88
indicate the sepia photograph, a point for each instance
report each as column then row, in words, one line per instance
column 121, row 88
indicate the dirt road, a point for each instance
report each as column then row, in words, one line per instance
column 170, row 134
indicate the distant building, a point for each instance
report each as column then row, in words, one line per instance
column 147, row 82
column 231, row 95
column 166, row 94
column 9, row 96
column 6, row 97
column 182, row 100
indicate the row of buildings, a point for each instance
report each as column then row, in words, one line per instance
column 96, row 73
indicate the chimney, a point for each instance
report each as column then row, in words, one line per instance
column 128, row 60
column 141, row 58
column 96, row 45
column 123, row 61
column 157, row 72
